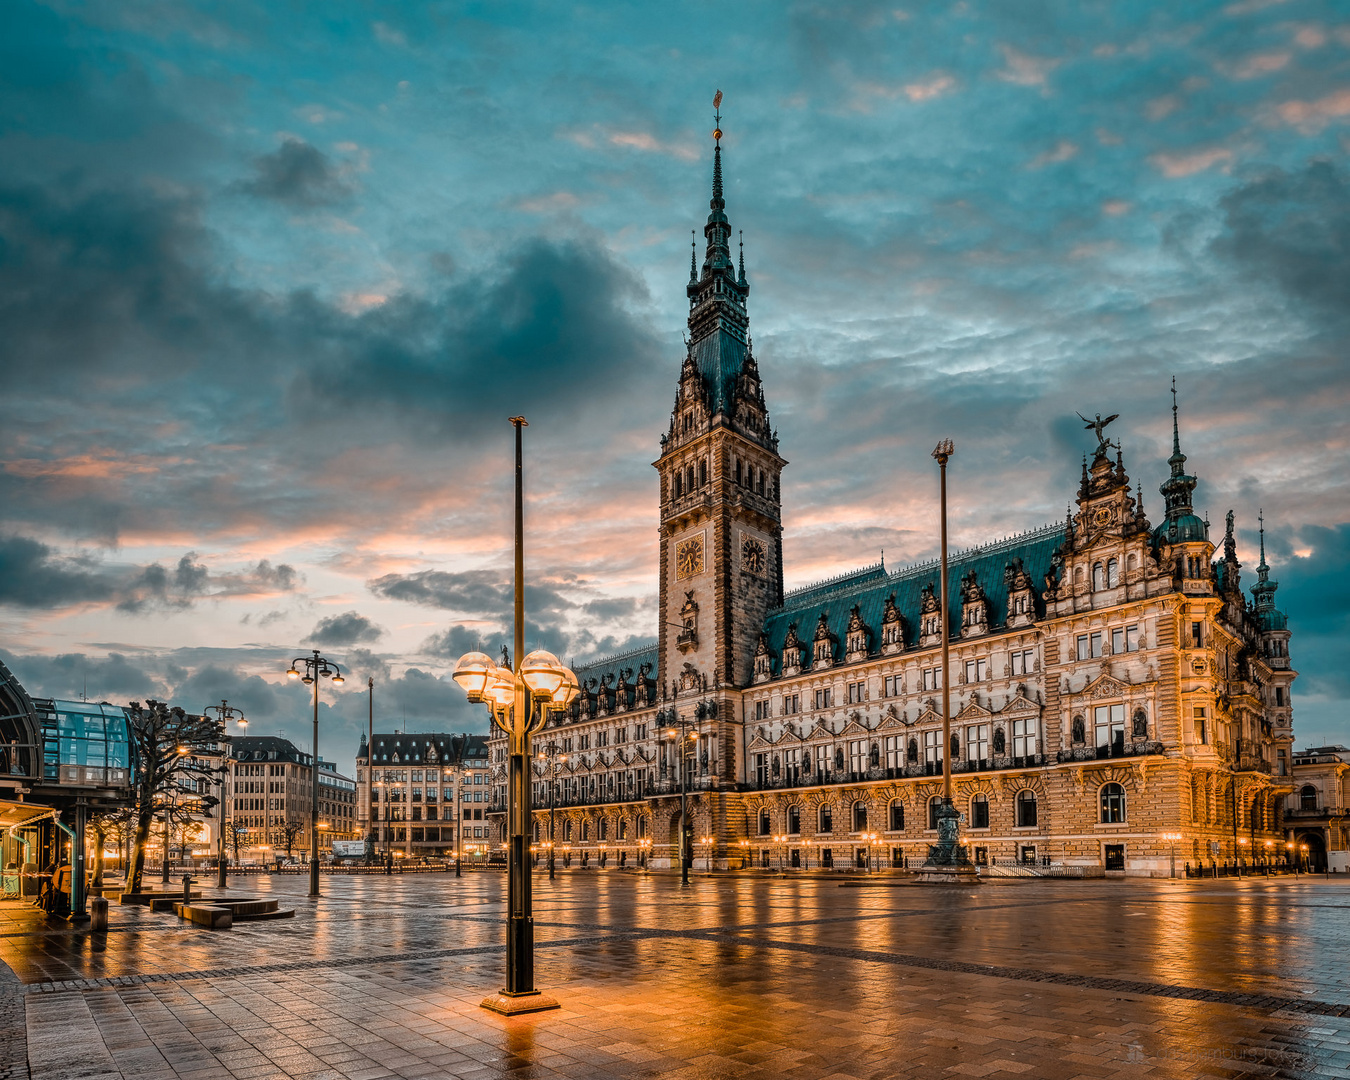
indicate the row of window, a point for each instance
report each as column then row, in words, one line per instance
column 895, row 751
column 569, row 831
column 1111, row 811
column 1123, row 639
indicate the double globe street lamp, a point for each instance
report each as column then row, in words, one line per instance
column 520, row 700
column 315, row 667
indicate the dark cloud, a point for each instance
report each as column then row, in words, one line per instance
column 298, row 175
column 348, row 628
column 1293, row 228
column 115, row 677
column 454, row 642
column 32, row 575
column 471, row 592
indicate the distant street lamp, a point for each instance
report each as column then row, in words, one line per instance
column 316, row 667
column 681, row 733
column 1172, row 838
column 519, row 701
column 225, row 712
column 870, row 838
column 552, row 762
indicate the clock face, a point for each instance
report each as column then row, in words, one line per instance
column 1102, row 516
column 689, row 557
column 752, row 555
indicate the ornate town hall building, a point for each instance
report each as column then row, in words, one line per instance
column 1111, row 683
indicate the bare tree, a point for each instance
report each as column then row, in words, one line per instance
column 165, row 739
column 236, row 834
column 109, row 826
column 287, row 832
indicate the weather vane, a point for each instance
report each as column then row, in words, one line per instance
column 1099, row 426
column 717, row 116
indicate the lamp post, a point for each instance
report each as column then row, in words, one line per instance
column 947, row 860
column 315, row 667
column 553, row 763
column 681, row 732
column 1172, row 838
column 225, row 712
column 871, row 839
column 519, row 701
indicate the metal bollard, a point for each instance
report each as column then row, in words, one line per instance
column 187, row 889
column 98, row 913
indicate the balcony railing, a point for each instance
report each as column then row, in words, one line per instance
column 930, row 768
column 1116, row 750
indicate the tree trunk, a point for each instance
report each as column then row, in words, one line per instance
column 145, row 817
column 99, row 840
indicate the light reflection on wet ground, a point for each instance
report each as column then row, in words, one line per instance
column 731, row 976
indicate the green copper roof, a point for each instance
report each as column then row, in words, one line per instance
column 1187, row 528
column 869, row 588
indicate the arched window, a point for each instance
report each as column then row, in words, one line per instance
column 1307, row 798
column 585, row 831
column 567, row 831
column 933, row 804
column 859, row 816
column 641, row 827
column 764, row 827
column 1026, row 808
column 679, row 484
column 604, row 829
column 1079, row 730
column 1078, row 575
column 1098, row 577
column 1112, row 573
column 739, row 474
column 826, row 819
column 623, row 828
column 690, row 476
column 702, row 473
column 897, row 815
column 979, row 812
column 794, row 820
column 1113, row 804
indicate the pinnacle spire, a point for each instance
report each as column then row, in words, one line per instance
column 1262, row 568
column 742, row 279
column 693, row 257
column 1178, row 459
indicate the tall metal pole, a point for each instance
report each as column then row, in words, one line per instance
column 684, row 815
column 164, row 870
column 314, row 792
column 370, row 766
column 552, row 804
column 946, row 638
column 520, row 934
column 224, row 810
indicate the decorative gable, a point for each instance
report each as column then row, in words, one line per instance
column 763, row 659
column 1021, row 597
column 892, row 628
column 794, row 652
column 974, row 608
column 930, row 632
column 855, row 644
column 822, row 654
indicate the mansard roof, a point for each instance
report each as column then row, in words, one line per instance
column 633, row 658
column 869, row 587
column 413, row 748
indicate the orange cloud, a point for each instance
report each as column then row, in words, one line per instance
column 1311, row 117
column 1175, row 166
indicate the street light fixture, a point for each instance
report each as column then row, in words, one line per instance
column 315, row 667
column 519, row 701
column 225, row 712
column 681, row 733
column 1172, row 838
column 552, row 763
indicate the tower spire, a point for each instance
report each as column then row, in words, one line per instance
column 742, row 277
column 1261, row 567
column 693, row 257
column 1181, row 522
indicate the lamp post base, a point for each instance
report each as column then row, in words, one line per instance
column 947, row 862
column 514, row 1004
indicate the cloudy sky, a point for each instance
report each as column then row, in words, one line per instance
column 271, row 283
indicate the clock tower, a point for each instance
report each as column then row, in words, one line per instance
column 721, row 519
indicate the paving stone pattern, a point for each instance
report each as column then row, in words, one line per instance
column 734, row 976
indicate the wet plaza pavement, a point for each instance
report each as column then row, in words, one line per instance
column 732, row 976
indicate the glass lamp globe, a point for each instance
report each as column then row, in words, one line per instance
column 542, row 673
column 567, row 690
column 472, row 674
column 500, row 688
